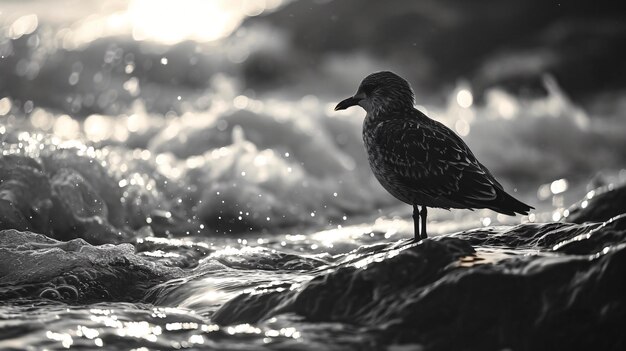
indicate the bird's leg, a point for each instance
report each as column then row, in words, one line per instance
column 416, row 222
column 423, row 213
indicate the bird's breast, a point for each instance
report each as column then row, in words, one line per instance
column 398, row 173
column 377, row 137
column 383, row 161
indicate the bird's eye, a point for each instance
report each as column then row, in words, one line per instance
column 368, row 89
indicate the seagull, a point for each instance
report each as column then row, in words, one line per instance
column 419, row 160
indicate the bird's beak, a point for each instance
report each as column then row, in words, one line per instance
column 351, row 101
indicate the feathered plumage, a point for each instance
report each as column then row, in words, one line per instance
column 418, row 160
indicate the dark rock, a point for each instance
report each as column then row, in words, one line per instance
column 542, row 236
column 251, row 308
column 599, row 205
column 416, row 266
column 268, row 259
column 528, row 287
column 609, row 233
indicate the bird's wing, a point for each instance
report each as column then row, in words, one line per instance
column 431, row 158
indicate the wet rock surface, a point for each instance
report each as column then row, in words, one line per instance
column 599, row 205
column 528, row 287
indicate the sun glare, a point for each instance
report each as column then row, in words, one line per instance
column 201, row 20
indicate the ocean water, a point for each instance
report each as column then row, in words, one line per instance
column 139, row 213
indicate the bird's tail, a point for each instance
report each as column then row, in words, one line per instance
column 507, row 204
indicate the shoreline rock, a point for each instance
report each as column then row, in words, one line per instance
column 553, row 284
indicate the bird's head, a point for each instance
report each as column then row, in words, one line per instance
column 381, row 91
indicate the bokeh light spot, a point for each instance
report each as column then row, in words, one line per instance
column 464, row 98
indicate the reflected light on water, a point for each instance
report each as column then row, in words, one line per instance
column 558, row 186
column 98, row 128
column 66, row 127
column 65, row 339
